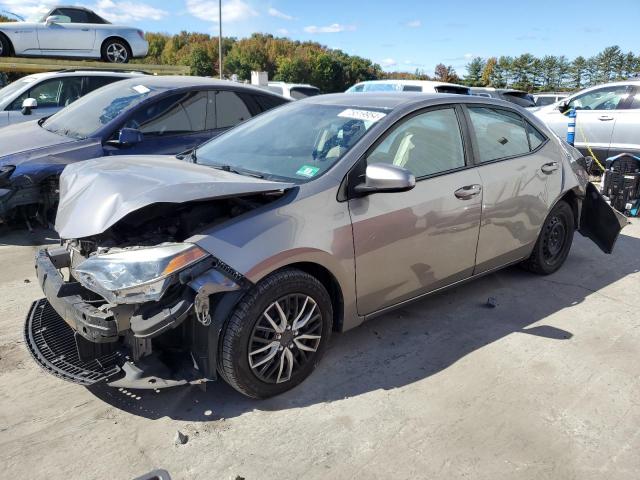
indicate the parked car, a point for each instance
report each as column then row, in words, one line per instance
column 606, row 122
column 72, row 31
column 543, row 99
column 244, row 261
column 142, row 115
column 295, row 91
column 43, row 94
column 425, row 86
column 519, row 97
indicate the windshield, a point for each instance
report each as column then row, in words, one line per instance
column 297, row 142
column 90, row 113
column 7, row 93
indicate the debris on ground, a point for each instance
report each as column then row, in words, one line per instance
column 181, row 438
column 492, row 302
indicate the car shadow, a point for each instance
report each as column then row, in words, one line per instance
column 414, row 342
column 11, row 235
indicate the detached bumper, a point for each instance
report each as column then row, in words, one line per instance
column 65, row 298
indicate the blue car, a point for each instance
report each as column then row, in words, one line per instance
column 147, row 115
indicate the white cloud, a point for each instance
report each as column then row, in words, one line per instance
column 388, row 62
column 414, row 24
column 283, row 31
column 115, row 11
column 278, row 14
column 333, row 28
column 232, row 10
column 468, row 56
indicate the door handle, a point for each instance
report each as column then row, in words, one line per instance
column 550, row 167
column 467, row 192
column 605, row 118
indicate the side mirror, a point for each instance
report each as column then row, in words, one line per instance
column 563, row 106
column 28, row 105
column 127, row 137
column 52, row 19
column 382, row 177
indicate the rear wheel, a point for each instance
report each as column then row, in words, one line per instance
column 554, row 242
column 116, row 51
column 5, row 48
column 277, row 334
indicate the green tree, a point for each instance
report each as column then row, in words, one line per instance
column 474, row 72
column 446, row 73
column 200, row 61
column 488, row 72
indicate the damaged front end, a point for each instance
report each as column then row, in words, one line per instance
column 94, row 326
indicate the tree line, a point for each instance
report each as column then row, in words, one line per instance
column 551, row 72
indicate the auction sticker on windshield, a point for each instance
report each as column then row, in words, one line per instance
column 307, row 171
column 366, row 115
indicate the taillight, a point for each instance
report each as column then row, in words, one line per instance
column 141, row 33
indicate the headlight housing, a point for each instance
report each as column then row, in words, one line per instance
column 136, row 275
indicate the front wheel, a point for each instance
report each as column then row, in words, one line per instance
column 116, row 51
column 277, row 334
column 554, row 242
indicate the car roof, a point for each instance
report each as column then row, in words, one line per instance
column 165, row 82
column 418, row 83
column 88, row 73
column 393, row 100
column 277, row 84
column 497, row 90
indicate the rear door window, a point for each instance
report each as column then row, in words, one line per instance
column 231, row 109
column 176, row 114
column 499, row 133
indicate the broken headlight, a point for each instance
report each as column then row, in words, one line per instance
column 136, row 275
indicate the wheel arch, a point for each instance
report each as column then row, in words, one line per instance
column 12, row 50
column 573, row 198
column 119, row 38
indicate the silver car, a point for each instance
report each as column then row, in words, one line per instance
column 71, row 31
column 607, row 118
column 241, row 262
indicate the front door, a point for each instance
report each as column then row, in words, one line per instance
column 77, row 36
column 521, row 176
column 409, row 243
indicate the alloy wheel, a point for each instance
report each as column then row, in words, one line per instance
column 285, row 338
column 117, row 53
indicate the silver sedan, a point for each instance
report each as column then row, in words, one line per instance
column 310, row 218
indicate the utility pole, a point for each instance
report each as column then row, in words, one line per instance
column 220, row 37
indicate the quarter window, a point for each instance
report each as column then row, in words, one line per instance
column 426, row 144
column 499, row 133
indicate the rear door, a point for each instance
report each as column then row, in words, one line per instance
column 626, row 134
column 521, row 177
column 410, row 243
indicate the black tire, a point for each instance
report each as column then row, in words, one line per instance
column 239, row 334
column 5, row 46
column 110, row 46
column 554, row 242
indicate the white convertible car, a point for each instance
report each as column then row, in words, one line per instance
column 72, row 32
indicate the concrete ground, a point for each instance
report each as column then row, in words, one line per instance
column 545, row 385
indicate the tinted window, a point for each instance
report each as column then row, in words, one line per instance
column 180, row 113
column 76, row 16
column 266, row 103
column 411, row 88
column 453, row 89
column 58, row 92
column 93, row 83
column 230, row 109
column 519, row 98
column 499, row 134
column 606, row 98
column 544, row 101
column 357, row 88
column 303, row 92
column 426, row 144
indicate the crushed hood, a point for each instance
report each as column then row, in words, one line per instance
column 96, row 194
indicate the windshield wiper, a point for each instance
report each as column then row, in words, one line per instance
column 229, row 168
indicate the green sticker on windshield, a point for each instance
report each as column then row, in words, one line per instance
column 307, row 171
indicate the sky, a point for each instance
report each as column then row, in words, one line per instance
column 399, row 34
